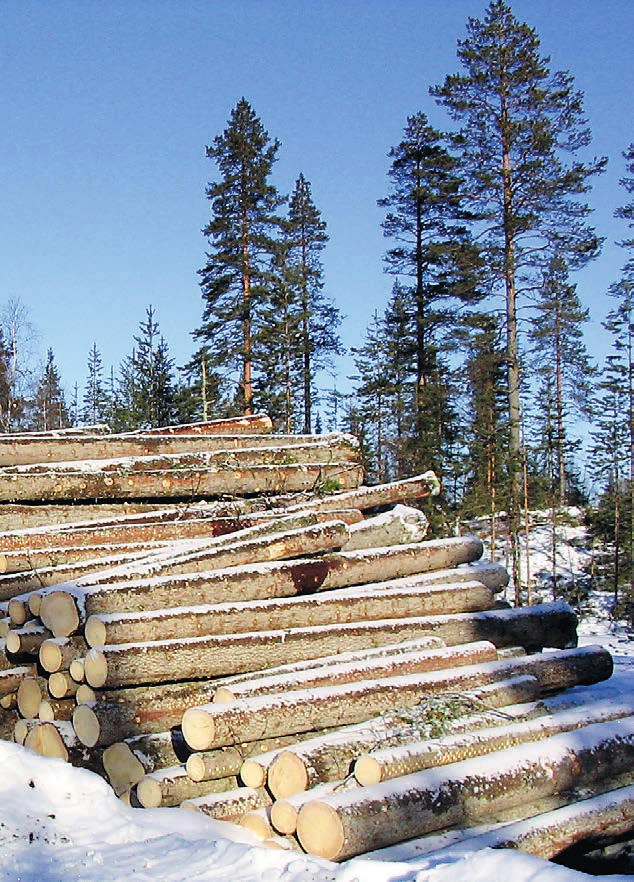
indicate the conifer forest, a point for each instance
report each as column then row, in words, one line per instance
column 476, row 367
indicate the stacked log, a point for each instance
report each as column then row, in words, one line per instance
column 283, row 652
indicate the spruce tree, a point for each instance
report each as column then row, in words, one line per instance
column 241, row 237
column 96, row 404
column 564, row 368
column 49, row 406
column 434, row 258
column 319, row 317
column 517, row 124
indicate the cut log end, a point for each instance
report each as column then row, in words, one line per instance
column 122, row 767
column 95, row 632
column 86, row 725
column 149, row 792
column 320, row 831
column 367, row 771
column 50, row 656
column 59, row 613
column 287, row 775
column 284, row 816
column 223, row 695
column 95, row 668
column 46, row 740
column 253, row 773
column 198, row 725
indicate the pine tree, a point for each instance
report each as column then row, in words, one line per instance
column 278, row 383
column 518, row 121
column 241, row 238
column 49, row 406
column 614, row 437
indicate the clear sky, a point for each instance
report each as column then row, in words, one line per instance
column 107, row 106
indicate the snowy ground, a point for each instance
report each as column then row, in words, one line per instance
column 61, row 823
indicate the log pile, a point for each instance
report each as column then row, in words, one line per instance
column 233, row 624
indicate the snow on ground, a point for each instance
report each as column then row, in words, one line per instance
column 62, row 824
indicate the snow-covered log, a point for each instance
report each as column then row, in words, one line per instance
column 215, row 725
column 337, row 606
column 393, row 762
column 340, row 826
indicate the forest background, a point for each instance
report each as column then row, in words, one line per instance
column 475, row 363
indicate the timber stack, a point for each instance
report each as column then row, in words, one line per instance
column 227, row 620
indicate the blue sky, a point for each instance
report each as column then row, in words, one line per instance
column 107, row 107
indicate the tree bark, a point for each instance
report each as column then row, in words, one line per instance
column 330, row 758
column 230, row 806
column 169, row 483
column 11, row 678
column 366, row 498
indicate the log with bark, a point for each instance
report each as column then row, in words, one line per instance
column 57, row 653
column 27, row 640
column 348, row 671
column 337, row 606
column 366, row 498
column 243, row 583
column 393, row 762
column 216, row 725
column 331, row 757
column 341, row 826
column 170, row 787
column 191, row 482
column 59, row 609
column 229, row 806
column 10, row 678
column 214, row 656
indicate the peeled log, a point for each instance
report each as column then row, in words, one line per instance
column 333, row 607
column 363, row 669
column 341, row 826
column 215, row 656
column 393, row 762
column 215, row 725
